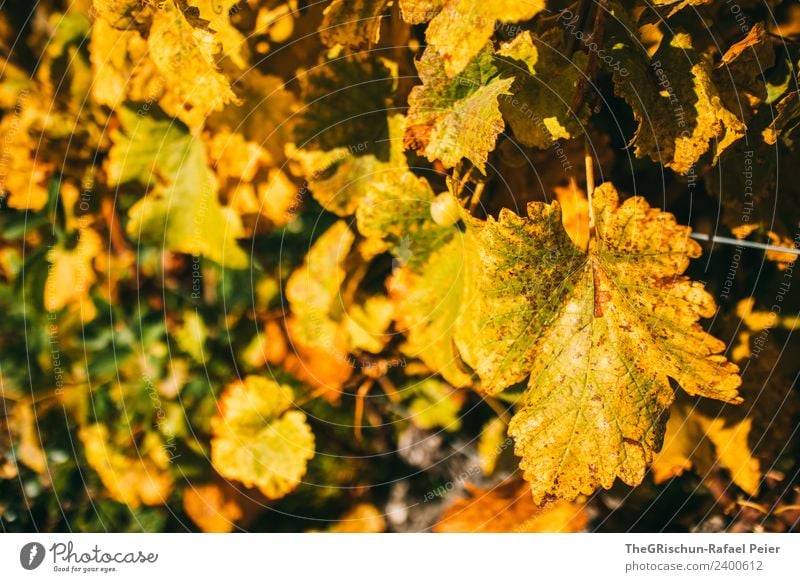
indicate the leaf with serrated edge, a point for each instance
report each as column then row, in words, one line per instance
column 599, row 333
column 463, row 27
column 450, row 119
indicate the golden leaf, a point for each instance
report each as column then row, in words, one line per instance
column 698, row 440
column 599, row 333
column 70, row 275
column 258, row 440
column 463, row 27
column 363, row 518
column 184, row 55
column 23, row 176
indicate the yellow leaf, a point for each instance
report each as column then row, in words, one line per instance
column 599, row 333
column 574, row 213
column 491, row 444
column 697, row 440
column 23, row 177
column 139, row 479
column 217, row 13
column 184, row 54
column 435, row 405
column 463, row 27
column 258, row 440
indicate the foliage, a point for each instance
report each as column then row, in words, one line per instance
column 285, row 266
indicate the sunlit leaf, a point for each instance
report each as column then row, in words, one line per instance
column 258, row 439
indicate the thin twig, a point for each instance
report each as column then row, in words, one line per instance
column 476, row 196
column 589, row 163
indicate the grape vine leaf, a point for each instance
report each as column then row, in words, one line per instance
column 600, row 334
column 539, row 111
column 675, row 102
column 21, row 438
column 233, row 42
column 327, row 322
column 459, row 29
column 739, row 75
column 258, row 440
column 698, row 440
column 182, row 212
column 353, row 23
column 71, row 274
column 216, row 506
column 23, row 176
column 454, row 118
column 184, row 51
column 435, row 405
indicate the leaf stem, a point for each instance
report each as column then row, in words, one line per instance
column 589, row 163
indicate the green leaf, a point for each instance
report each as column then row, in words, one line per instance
column 182, row 211
column 454, row 118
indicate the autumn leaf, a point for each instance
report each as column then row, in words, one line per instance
column 19, row 425
column 539, row 111
column 491, row 444
column 184, row 51
column 72, row 275
column 233, row 42
column 677, row 107
column 454, row 118
column 23, row 176
column 600, row 334
column 363, row 518
column 339, row 179
column 215, row 507
column 258, row 440
column 135, row 480
column 739, row 74
column 574, row 213
column 508, row 508
column 435, row 405
column 425, row 286
column 699, row 441
column 459, row 29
